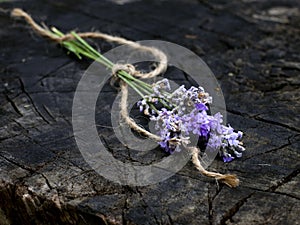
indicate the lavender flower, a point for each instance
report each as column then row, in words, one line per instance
column 231, row 145
column 185, row 113
column 160, row 86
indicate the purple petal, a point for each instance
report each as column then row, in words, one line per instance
column 201, row 107
column 228, row 158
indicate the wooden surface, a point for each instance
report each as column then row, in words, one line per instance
column 251, row 46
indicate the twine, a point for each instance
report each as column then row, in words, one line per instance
column 162, row 58
column 229, row 179
column 130, row 121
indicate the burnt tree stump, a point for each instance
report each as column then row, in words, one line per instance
column 251, row 46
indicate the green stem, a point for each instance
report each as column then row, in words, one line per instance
column 153, row 107
column 133, row 87
column 81, row 48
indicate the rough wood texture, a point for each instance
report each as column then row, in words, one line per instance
column 253, row 49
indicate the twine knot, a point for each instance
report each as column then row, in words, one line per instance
column 129, row 68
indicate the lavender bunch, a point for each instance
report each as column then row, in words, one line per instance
column 177, row 115
column 185, row 112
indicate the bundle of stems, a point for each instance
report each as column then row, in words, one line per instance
column 80, row 48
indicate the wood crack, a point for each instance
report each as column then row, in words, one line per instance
column 232, row 211
column 32, row 102
column 256, row 117
column 285, row 180
column 15, row 107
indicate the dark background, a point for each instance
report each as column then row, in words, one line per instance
column 251, row 46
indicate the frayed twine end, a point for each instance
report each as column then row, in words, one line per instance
column 230, row 180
